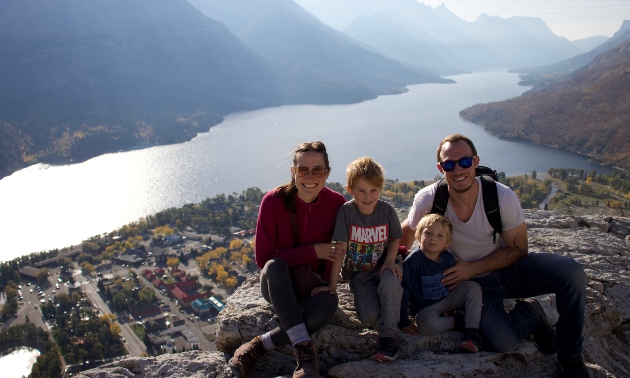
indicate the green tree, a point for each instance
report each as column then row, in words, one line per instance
column 63, row 261
column 64, row 300
column 146, row 295
column 76, row 297
column 42, row 275
column 88, row 247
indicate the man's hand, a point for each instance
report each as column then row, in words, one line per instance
column 396, row 270
column 411, row 329
column 460, row 272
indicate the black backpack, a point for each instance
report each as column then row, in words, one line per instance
column 490, row 198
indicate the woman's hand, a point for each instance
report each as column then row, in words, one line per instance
column 411, row 329
column 330, row 251
column 319, row 289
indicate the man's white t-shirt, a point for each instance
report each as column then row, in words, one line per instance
column 472, row 240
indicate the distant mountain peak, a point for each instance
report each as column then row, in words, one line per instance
column 486, row 17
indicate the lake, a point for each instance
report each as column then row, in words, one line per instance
column 45, row 207
column 19, row 363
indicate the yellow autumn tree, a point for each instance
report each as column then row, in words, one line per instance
column 163, row 230
column 115, row 329
column 172, row 262
column 246, row 259
column 87, row 268
column 236, row 244
column 202, row 261
column 108, row 318
column 220, row 251
column 231, row 282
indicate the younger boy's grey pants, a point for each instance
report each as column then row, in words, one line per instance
column 467, row 294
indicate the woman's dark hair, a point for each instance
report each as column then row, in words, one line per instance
column 288, row 190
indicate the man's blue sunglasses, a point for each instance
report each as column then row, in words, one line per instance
column 449, row 165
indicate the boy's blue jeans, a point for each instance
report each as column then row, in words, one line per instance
column 535, row 274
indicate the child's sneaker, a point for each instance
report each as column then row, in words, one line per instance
column 387, row 350
column 471, row 342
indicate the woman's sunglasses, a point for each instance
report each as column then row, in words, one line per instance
column 449, row 165
column 318, row 171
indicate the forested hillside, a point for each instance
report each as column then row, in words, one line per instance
column 79, row 79
column 586, row 113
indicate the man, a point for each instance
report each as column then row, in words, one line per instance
column 502, row 267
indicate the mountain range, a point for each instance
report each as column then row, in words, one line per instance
column 543, row 76
column 79, row 78
column 586, row 112
column 437, row 35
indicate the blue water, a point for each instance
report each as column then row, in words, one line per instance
column 45, row 207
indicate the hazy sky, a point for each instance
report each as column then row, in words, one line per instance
column 574, row 19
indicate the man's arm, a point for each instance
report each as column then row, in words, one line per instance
column 515, row 249
column 408, row 235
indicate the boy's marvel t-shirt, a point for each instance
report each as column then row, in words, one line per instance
column 367, row 235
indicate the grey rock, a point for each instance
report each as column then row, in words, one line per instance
column 345, row 345
column 194, row 364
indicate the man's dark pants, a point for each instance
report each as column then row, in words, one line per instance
column 535, row 274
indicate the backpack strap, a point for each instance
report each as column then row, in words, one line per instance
column 441, row 198
column 491, row 204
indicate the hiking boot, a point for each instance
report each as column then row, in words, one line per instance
column 471, row 342
column 306, row 358
column 544, row 334
column 572, row 367
column 387, row 350
column 245, row 357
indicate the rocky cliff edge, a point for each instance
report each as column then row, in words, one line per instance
column 601, row 245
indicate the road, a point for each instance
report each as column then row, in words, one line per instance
column 134, row 346
column 194, row 326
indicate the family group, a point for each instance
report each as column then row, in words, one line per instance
column 308, row 238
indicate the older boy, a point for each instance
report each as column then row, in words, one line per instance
column 371, row 229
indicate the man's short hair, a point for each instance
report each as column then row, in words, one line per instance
column 431, row 219
column 455, row 138
column 367, row 169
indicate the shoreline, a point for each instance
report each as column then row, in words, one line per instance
column 591, row 158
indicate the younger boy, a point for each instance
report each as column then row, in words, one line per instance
column 425, row 295
column 371, row 229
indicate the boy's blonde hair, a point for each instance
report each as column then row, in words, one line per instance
column 429, row 220
column 367, row 169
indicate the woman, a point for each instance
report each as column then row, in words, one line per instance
column 295, row 226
